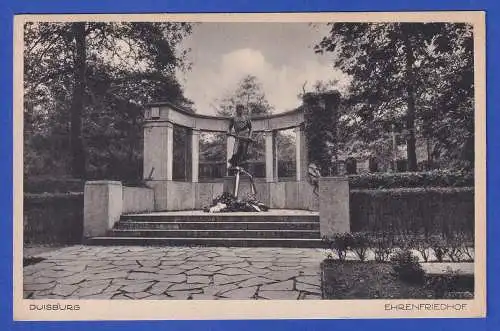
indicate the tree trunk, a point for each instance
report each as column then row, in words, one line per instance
column 410, row 91
column 77, row 151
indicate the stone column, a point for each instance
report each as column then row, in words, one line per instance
column 275, row 155
column 298, row 153
column 102, row 206
column 269, row 137
column 170, row 151
column 229, row 149
column 158, row 151
column 195, row 154
column 304, row 160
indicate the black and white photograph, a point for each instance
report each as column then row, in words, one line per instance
column 180, row 159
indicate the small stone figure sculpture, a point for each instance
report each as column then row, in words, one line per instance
column 313, row 176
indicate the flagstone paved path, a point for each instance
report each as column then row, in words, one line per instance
column 163, row 273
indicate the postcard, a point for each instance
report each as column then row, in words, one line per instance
column 249, row 166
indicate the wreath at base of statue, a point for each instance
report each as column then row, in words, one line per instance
column 227, row 202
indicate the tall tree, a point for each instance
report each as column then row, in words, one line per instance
column 249, row 93
column 78, row 158
column 88, row 81
column 447, row 101
column 390, row 65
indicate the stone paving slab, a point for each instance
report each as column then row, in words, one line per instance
column 175, row 273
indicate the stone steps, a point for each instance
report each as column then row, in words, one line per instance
column 158, row 225
column 299, row 234
column 222, row 217
column 223, row 242
column 276, row 228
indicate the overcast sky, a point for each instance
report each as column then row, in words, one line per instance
column 280, row 55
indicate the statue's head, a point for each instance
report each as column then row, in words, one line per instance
column 239, row 109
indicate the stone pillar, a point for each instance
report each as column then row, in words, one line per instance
column 269, row 137
column 275, row 155
column 102, row 206
column 158, row 151
column 334, row 205
column 300, row 154
column 229, row 149
column 304, row 160
column 170, row 151
column 195, row 154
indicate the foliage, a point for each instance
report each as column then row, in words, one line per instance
column 460, row 245
column 320, row 125
column 88, row 81
column 439, row 246
column 53, row 218
column 383, row 244
column 415, row 79
column 52, row 185
column 249, row 93
column 406, row 266
column 386, row 243
column 436, row 178
column 442, row 284
column 370, row 280
column 432, row 210
column 340, row 243
column 423, row 246
column 360, row 244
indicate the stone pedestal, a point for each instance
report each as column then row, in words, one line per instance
column 102, row 206
column 229, row 149
column 334, row 205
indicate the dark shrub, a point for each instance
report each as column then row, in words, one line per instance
column 406, row 267
column 351, row 166
column 53, row 218
column 414, row 210
column 439, row 246
column 423, row 245
column 383, row 244
column 340, row 243
column 442, row 284
column 437, row 178
column 404, row 240
column 53, row 185
column 402, row 165
column 373, row 164
column 31, row 260
column 360, row 244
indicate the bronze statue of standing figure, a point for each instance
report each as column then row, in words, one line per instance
column 240, row 127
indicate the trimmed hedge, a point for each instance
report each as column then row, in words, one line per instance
column 53, row 218
column 411, row 179
column 53, row 185
column 415, row 210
